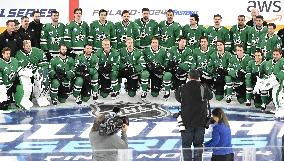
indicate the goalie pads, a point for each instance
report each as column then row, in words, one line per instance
column 41, row 86
column 27, row 90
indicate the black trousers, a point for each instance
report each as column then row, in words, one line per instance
column 227, row 157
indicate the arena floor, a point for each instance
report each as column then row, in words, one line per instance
column 61, row 133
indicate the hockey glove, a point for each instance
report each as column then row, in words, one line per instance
column 254, row 77
column 60, row 75
column 150, row 65
column 222, row 72
column 172, row 66
column 241, row 75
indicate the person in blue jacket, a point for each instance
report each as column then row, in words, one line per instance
column 221, row 137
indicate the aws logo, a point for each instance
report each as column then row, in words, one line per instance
column 267, row 7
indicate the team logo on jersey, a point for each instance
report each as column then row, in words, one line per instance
column 135, row 111
column 192, row 41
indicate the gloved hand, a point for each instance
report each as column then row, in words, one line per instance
column 150, row 65
column 60, row 75
column 222, row 72
column 241, row 75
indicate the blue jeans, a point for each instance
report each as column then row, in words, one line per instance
column 193, row 136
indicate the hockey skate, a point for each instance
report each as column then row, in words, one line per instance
column 228, row 99
column 248, row 103
column 78, row 100
column 95, row 96
column 143, row 95
column 167, row 95
column 114, row 95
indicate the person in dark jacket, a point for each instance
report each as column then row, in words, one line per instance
column 106, row 144
column 221, row 137
column 280, row 33
column 193, row 97
column 26, row 33
column 9, row 38
column 36, row 26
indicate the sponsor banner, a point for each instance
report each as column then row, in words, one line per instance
column 271, row 10
column 15, row 9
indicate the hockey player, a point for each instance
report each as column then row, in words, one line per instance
column 201, row 56
column 8, row 74
column 86, row 75
column 218, row 32
column 132, row 67
column 102, row 29
column 148, row 28
column 157, row 62
column 180, row 62
column 218, row 67
column 275, row 66
column 52, row 35
column 36, row 59
column 109, row 61
column 239, row 34
column 269, row 41
column 254, row 69
column 169, row 31
column 61, row 74
column 193, row 32
column 235, row 80
column 126, row 28
column 280, row 33
column 76, row 33
column 254, row 35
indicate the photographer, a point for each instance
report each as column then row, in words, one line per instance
column 193, row 97
column 104, row 141
column 221, row 137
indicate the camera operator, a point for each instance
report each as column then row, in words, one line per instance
column 103, row 137
column 193, row 97
column 221, row 137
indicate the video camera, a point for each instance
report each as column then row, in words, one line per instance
column 112, row 123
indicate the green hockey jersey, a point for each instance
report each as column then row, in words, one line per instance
column 99, row 32
column 237, row 64
column 268, row 43
column 275, row 67
column 239, row 36
column 51, row 37
column 112, row 58
column 169, row 33
column 35, row 58
column 218, row 61
column 202, row 59
column 253, row 67
column 183, row 57
column 8, row 71
column 135, row 58
column 122, row 32
column 158, row 57
column 215, row 34
column 76, row 35
column 147, row 31
column 67, row 65
column 253, row 39
column 193, row 35
column 90, row 61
